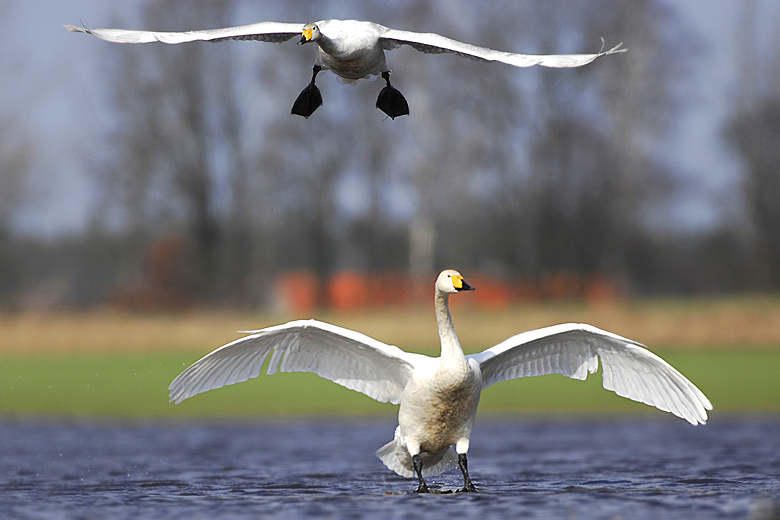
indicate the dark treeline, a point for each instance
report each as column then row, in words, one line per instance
column 210, row 188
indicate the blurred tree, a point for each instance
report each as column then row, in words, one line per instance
column 15, row 154
column 178, row 139
column 496, row 169
column 587, row 170
column 465, row 134
column 753, row 131
column 640, row 96
column 307, row 164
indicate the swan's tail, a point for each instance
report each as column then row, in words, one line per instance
column 395, row 456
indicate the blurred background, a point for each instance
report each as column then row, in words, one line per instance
column 171, row 177
column 155, row 199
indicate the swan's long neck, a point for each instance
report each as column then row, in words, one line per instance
column 451, row 351
column 327, row 45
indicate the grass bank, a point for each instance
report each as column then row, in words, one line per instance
column 688, row 324
column 135, row 384
column 108, row 363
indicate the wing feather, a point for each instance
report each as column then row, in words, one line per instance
column 346, row 357
column 628, row 368
column 437, row 44
column 264, row 31
column 390, row 38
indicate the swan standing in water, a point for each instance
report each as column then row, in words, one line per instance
column 439, row 396
column 351, row 49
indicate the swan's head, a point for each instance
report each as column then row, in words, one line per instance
column 310, row 33
column 451, row 281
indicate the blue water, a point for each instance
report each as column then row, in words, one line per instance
column 599, row 467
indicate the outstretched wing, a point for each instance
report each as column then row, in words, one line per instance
column 346, row 357
column 263, row 31
column 436, row 43
column 573, row 349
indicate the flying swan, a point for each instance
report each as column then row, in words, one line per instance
column 351, row 49
column 439, row 396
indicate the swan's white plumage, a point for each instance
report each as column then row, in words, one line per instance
column 437, row 44
column 263, row 31
column 344, row 356
column 353, row 50
column 396, row 457
column 439, row 396
column 351, row 37
column 573, row 349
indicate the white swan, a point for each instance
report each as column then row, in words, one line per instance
column 351, row 49
column 439, row 396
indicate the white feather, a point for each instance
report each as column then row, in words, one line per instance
column 263, row 31
column 438, row 44
column 346, row 357
column 573, row 349
column 352, row 37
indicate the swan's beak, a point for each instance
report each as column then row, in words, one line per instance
column 306, row 36
column 460, row 284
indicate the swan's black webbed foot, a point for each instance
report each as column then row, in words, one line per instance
column 468, row 486
column 422, row 488
column 310, row 98
column 417, row 464
column 391, row 101
column 308, row 101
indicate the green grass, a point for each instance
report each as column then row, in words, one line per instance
column 135, row 385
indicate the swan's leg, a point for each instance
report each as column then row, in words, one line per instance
column 391, row 101
column 464, row 468
column 310, row 98
column 417, row 463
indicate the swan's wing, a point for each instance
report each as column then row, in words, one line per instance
column 346, row 357
column 436, row 43
column 573, row 349
column 263, row 31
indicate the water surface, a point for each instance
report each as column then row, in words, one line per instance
column 596, row 467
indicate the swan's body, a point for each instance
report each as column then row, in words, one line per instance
column 438, row 397
column 351, row 49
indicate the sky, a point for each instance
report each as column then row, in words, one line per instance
column 52, row 88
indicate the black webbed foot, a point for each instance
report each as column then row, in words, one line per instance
column 391, row 101
column 309, row 99
column 468, row 486
column 423, row 488
column 417, row 464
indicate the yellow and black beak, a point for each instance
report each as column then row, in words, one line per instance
column 460, row 284
column 306, row 36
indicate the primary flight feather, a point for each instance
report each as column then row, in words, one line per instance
column 438, row 397
column 351, row 49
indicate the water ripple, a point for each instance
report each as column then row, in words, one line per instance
column 621, row 468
